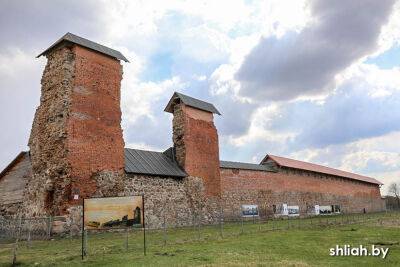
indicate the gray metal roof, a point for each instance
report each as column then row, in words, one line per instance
column 72, row 38
column 192, row 102
column 245, row 166
column 151, row 163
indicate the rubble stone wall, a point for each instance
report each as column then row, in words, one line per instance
column 180, row 201
column 173, row 201
column 48, row 141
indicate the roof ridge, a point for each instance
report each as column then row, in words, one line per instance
column 192, row 102
column 333, row 171
column 241, row 162
column 78, row 40
column 144, row 150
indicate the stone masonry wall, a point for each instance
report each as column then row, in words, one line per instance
column 175, row 201
column 196, row 145
column 48, row 140
column 179, row 200
column 295, row 187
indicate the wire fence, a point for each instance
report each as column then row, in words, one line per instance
column 25, row 228
column 18, row 235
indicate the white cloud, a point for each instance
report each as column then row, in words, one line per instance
column 260, row 128
column 390, row 34
column 204, row 44
column 139, row 99
column 20, row 75
column 307, row 63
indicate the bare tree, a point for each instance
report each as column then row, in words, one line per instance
column 394, row 189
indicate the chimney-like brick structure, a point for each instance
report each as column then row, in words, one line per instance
column 195, row 140
column 76, row 133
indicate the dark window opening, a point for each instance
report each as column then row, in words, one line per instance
column 48, row 204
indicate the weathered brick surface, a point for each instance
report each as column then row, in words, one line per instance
column 196, row 144
column 76, row 133
column 296, row 187
column 95, row 141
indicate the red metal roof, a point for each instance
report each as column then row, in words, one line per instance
column 297, row 164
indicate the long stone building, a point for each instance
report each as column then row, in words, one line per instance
column 77, row 151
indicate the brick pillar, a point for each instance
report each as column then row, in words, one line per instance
column 76, row 133
column 195, row 140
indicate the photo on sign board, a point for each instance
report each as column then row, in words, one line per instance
column 325, row 209
column 293, row 210
column 113, row 212
column 249, row 210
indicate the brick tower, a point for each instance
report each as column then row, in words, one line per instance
column 195, row 140
column 76, row 134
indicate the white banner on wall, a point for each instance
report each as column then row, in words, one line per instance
column 325, row 209
column 285, row 209
column 317, row 209
column 293, row 210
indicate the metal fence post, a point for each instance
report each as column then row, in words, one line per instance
column 85, row 234
column 221, row 222
column 272, row 222
column 14, row 259
column 29, row 233
column 199, row 225
column 198, row 228
column 164, row 228
column 241, row 224
column 50, row 222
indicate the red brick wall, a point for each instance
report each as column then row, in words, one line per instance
column 293, row 180
column 296, row 188
column 95, row 141
column 196, row 144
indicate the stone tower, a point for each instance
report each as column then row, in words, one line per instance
column 76, row 136
column 195, row 140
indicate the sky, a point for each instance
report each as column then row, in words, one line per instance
column 317, row 81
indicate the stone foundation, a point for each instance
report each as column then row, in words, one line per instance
column 176, row 202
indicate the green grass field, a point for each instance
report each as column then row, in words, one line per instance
column 299, row 242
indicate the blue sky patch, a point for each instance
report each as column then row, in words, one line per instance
column 388, row 59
